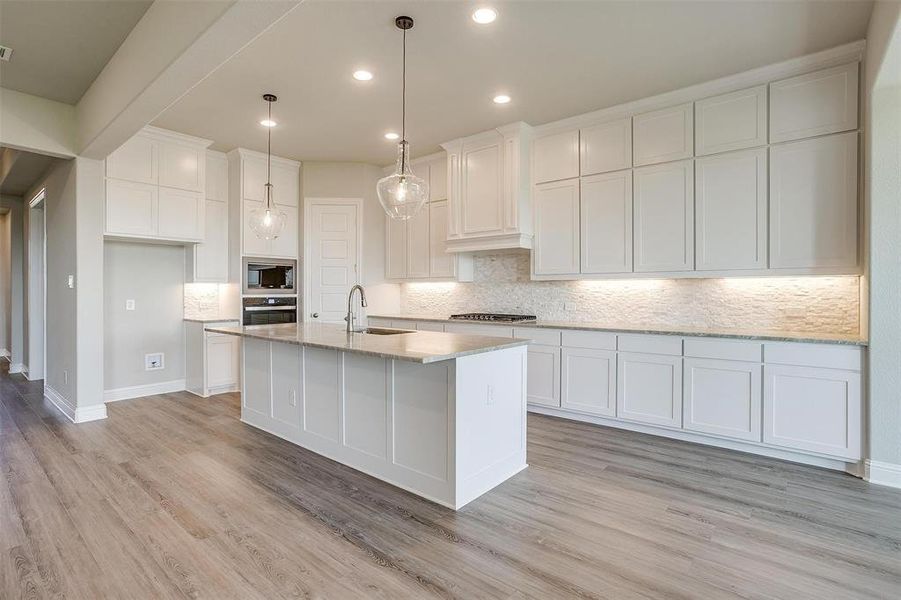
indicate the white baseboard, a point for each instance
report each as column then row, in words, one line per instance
column 17, row 368
column 4, row 353
column 81, row 414
column 883, row 473
column 139, row 391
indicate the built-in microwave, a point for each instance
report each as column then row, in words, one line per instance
column 269, row 276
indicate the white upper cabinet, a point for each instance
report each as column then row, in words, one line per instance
column 813, row 203
column 663, row 135
column 285, row 245
column 488, row 190
column 182, row 166
column 664, row 217
column 155, row 187
column 395, row 248
column 731, row 121
column 285, row 185
column 135, row 160
column 555, row 157
column 437, row 179
column 418, row 246
column 216, row 176
column 606, row 223
column 441, row 263
column 731, row 211
column 556, row 207
column 254, row 178
column 210, row 262
column 606, row 147
column 814, row 104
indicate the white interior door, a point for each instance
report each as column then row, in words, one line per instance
column 332, row 260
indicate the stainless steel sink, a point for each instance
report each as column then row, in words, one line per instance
column 385, row 331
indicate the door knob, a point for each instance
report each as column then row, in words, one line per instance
column 315, row 315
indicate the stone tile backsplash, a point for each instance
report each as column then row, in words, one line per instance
column 502, row 284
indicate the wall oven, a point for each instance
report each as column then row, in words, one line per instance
column 269, row 275
column 265, row 310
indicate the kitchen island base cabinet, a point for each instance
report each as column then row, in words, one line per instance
column 448, row 431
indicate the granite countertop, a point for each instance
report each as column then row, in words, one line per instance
column 741, row 334
column 415, row 346
column 211, row 319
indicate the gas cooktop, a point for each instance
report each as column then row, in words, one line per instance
column 494, row 317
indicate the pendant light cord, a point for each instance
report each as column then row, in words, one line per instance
column 403, row 118
column 269, row 161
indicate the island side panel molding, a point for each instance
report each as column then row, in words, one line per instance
column 256, row 398
column 490, row 420
column 321, row 410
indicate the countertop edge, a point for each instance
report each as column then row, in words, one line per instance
column 798, row 337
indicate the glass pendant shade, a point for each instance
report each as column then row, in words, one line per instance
column 267, row 221
column 402, row 193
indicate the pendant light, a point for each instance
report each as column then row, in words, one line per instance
column 402, row 193
column 267, row 221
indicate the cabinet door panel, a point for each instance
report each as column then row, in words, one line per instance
column 723, row 397
column 135, row 160
column 216, row 187
column 181, row 166
column 438, row 180
column 131, row 207
column 180, row 214
column 649, row 388
column 418, row 244
column 482, row 192
column 731, row 121
column 395, row 248
column 555, row 157
column 731, row 207
column 813, row 203
column 811, row 409
column 814, row 104
column 286, row 185
column 663, row 135
column 664, row 217
column 544, row 375
column 253, row 246
column 211, row 256
column 606, row 147
column 441, row 263
column 221, row 360
column 606, row 223
column 589, row 381
column 254, row 178
column 285, row 245
column 556, row 207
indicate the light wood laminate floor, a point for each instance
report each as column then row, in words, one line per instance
column 173, row 497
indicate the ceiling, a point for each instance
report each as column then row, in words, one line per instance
column 556, row 59
column 60, row 46
column 27, row 168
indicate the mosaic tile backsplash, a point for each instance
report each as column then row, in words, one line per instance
column 803, row 304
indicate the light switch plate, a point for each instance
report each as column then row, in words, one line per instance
column 70, row 281
column 129, row 304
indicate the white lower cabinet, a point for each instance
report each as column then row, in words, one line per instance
column 212, row 359
column 649, row 388
column 543, row 381
column 222, row 360
column 588, row 378
column 722, row 397
column 812, row 409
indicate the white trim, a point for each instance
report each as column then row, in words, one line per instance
column 852, row 468
column 17, row 368
column 139, row 391
column 4, row 353
column 883, row 473
column 308, row 204
column 839, row 55
column 280, row 160
column 75, row 414
column 175, row 136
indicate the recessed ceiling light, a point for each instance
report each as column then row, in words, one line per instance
column 268, row 123
column 362, row 75
column 483, row 16
column 501, row 99
column 391, row 136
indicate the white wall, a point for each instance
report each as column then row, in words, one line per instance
column 5, row 288
column 882, row 113
column 14, row 285
column 358, row 180
column 153, row 276
column 502, row 284
column 36, row 124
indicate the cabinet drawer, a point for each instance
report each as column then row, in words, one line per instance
column 601, row 340
column 548, row 337
column 477, row 329
column 724, row 349
column 650, row 344
column 813, row 355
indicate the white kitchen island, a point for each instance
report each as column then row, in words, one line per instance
column 441, row 415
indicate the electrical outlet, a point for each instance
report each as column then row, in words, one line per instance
column 292, row 398
column 154, row 361
column 490, row 399
column 65, row 376
column 70, row 282
column 129, row 304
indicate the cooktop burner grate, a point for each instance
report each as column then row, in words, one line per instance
column 494, row 317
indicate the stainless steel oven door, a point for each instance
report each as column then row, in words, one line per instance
column 269, row 315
